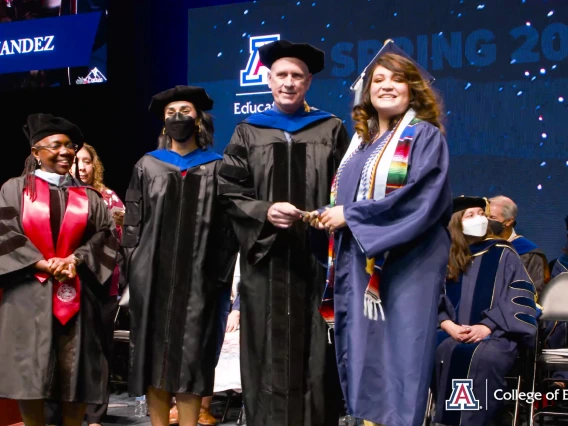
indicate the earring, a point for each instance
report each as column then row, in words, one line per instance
column 38, row 162
column 164, row 131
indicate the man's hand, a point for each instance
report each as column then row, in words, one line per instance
column 283, row 215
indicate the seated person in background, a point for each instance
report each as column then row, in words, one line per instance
column 502, row 221
column 488, row 311
column 560, row 265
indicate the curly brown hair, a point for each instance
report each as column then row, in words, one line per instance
column 98, row 169
column 423, row 99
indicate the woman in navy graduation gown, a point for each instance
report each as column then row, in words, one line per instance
column 487, row 312
column 392, row 204
column 179, row 252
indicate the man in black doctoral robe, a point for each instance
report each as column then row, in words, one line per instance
column 279, row 164
column 502, row 221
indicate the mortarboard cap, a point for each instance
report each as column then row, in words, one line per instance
column 388, row 47
column 464, row 203
column 40, row 126
column 311, row 56
column 196, row 95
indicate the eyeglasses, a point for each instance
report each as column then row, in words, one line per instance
column 58, row 146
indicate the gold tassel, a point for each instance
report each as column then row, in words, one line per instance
column 306, row 107
column 487, row 208
column 370, row 266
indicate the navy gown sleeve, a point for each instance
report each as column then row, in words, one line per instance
column 408, row 212
column 513, row 308
column 446, row 310
column 560, row 266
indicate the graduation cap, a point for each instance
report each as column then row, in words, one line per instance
column 388, row 47
column 464, row 203
column 40, row 126
column 196, row 95
column 311, row 56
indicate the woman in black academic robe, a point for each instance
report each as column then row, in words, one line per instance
column 56, row 251
column 179, row 250
column 486, row 313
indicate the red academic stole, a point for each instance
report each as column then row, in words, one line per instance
column 37, row 227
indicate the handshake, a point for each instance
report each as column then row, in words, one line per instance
column 283, row 215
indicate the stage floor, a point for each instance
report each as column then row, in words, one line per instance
column 121, row 411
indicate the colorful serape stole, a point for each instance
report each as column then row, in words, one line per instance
column 396, row 178
column 397, row 174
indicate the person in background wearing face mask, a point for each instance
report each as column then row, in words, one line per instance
column 487, row 310
column 502, row 222
column 179, row 255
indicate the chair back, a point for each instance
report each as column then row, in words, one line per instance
column 554, row 299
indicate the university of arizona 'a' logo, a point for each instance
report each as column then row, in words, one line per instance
column 462, row 397
column 255, row 73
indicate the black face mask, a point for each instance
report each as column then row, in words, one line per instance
column 180, row 127
column 496, row 227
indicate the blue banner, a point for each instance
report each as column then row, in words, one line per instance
column 48, row 43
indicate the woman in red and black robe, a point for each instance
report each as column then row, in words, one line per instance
column 56, row 252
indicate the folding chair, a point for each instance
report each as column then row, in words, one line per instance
column 554, row 302
column 521, row 379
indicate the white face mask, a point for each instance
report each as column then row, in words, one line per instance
column 475, row 226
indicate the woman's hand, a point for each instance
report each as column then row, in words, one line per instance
column 333, row 218
column 456, row 332
column 476, row 333
column 233, row 321
column 118, row 216
column 42, row 266
column 62, row 269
